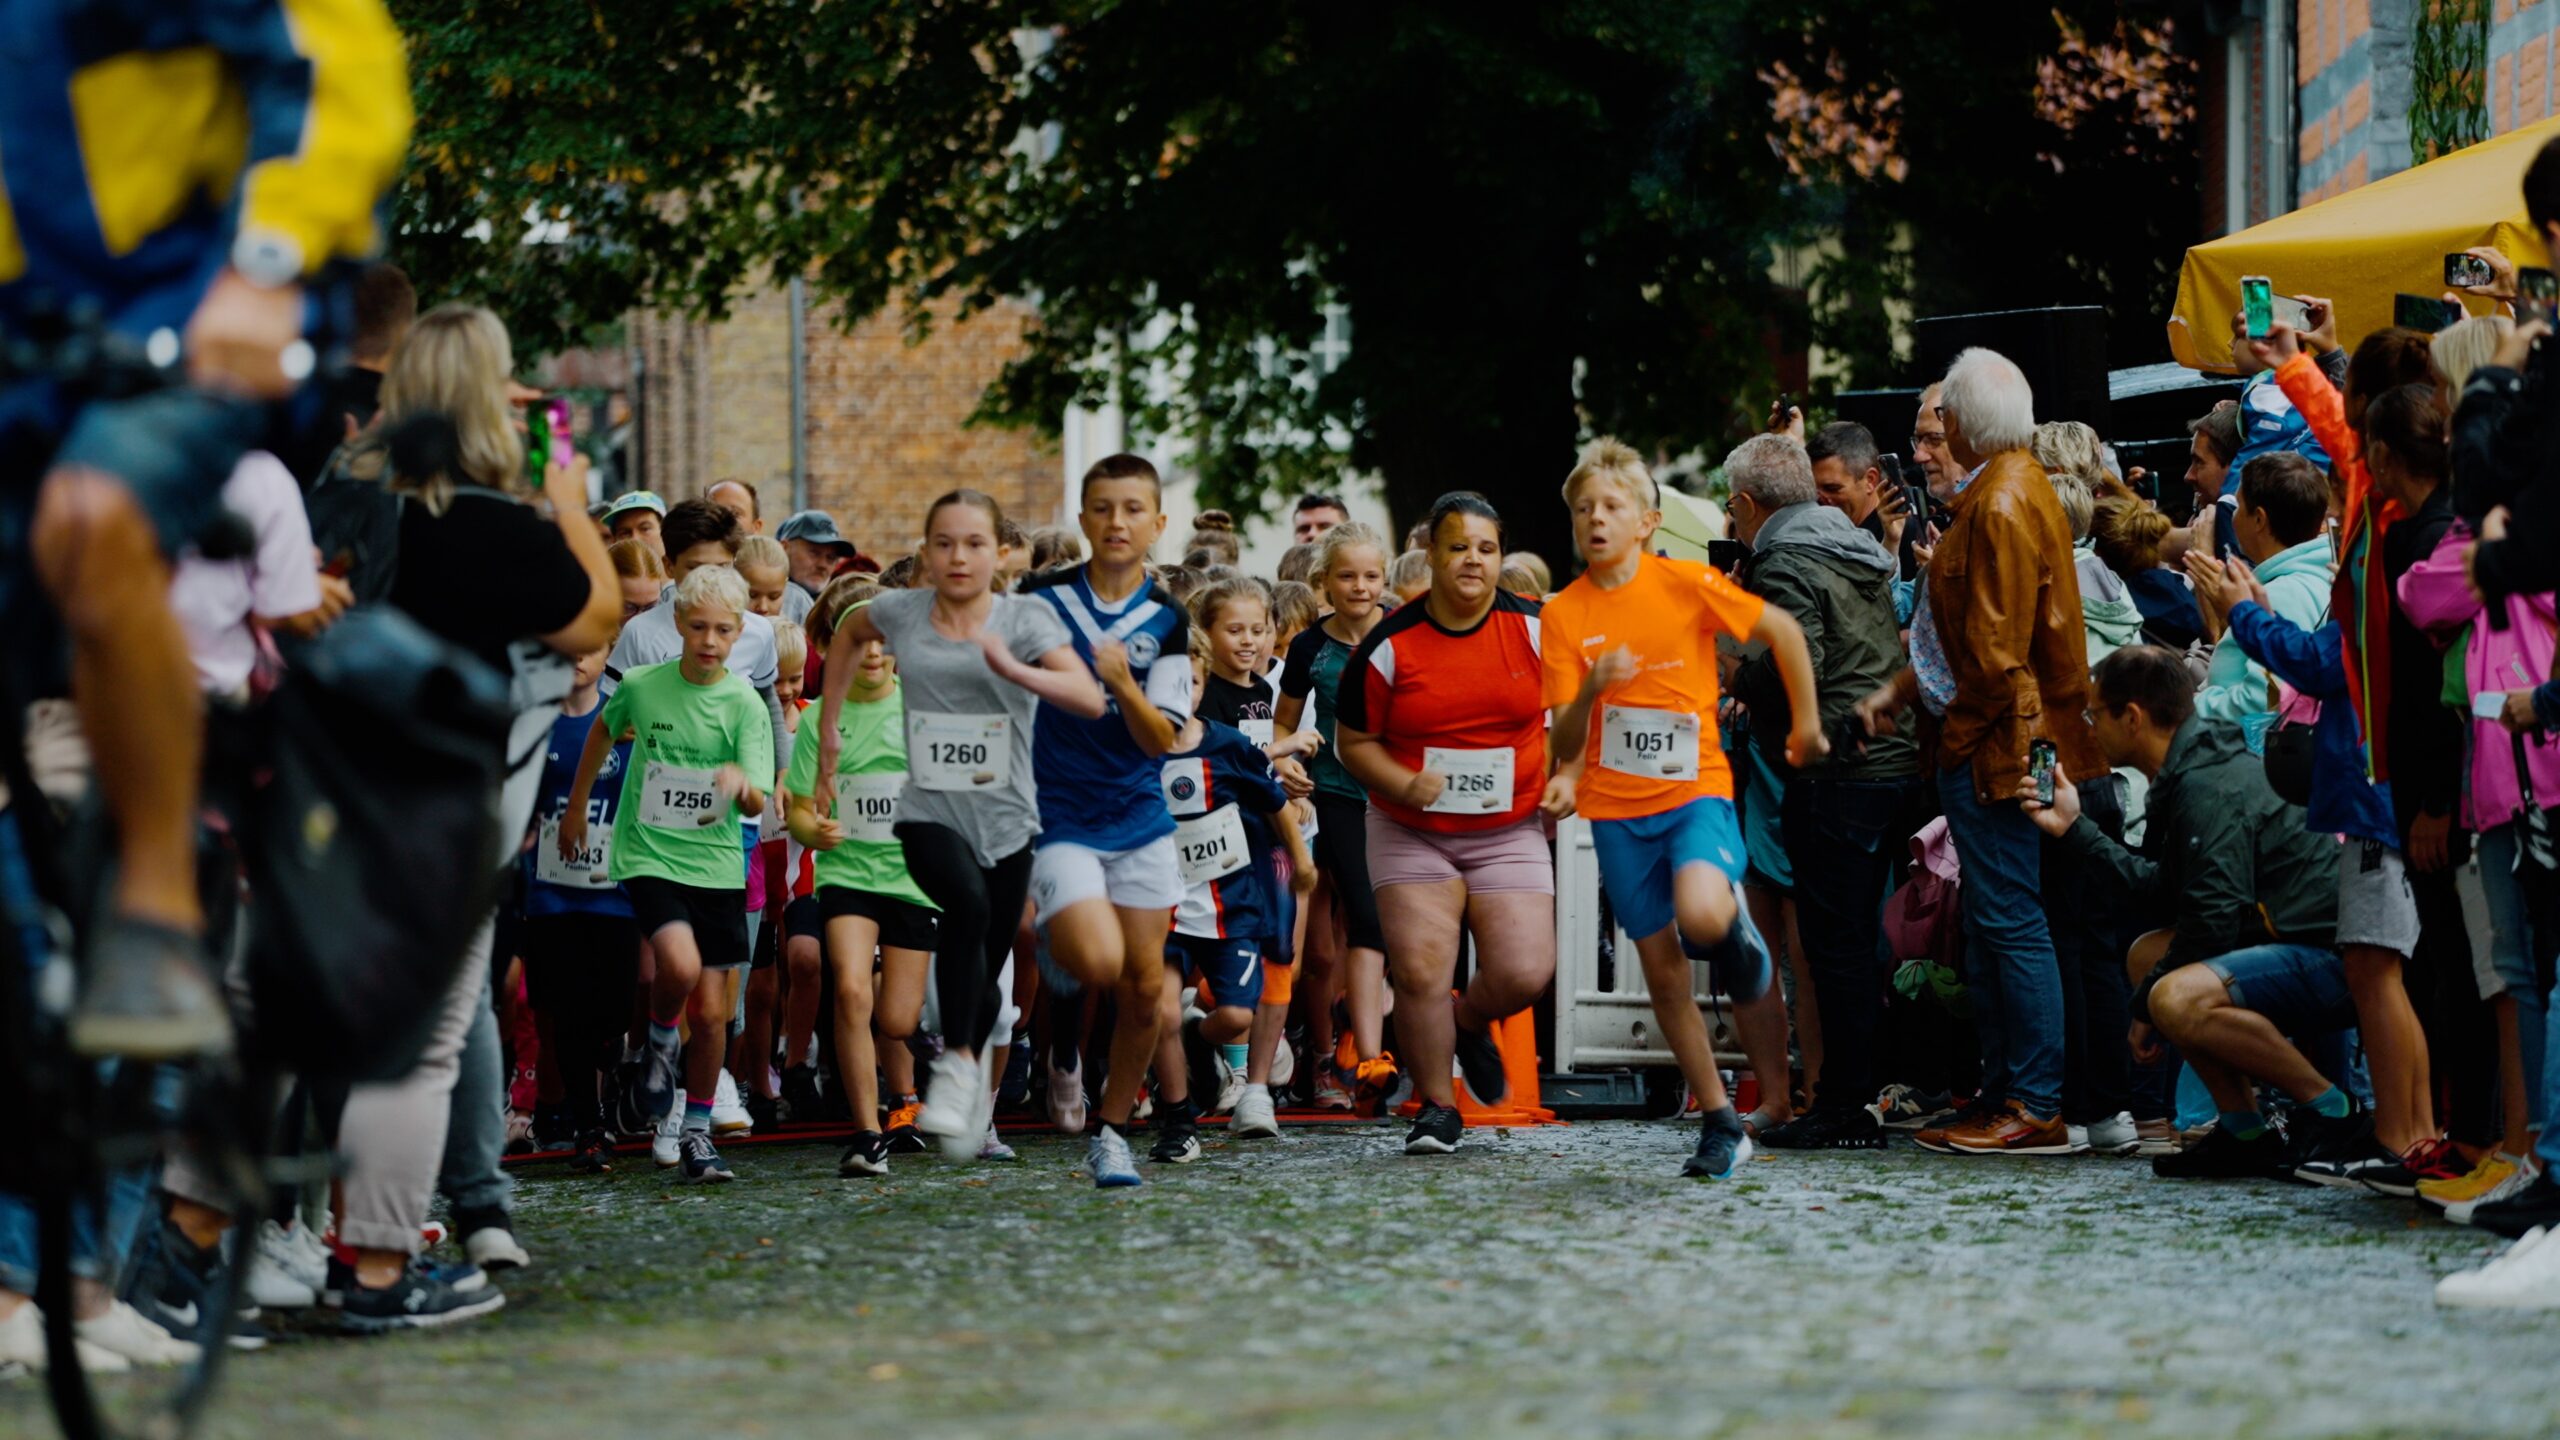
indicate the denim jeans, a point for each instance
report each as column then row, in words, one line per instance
column 129, row 1205
column 2088, row 947
column 2017, row 986
column 2514, row 946
column 475, row 1135
column 1838, row 827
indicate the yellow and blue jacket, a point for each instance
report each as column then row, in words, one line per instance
column 139, row 137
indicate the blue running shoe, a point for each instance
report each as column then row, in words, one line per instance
column 1739, row 965
column 1722, row 1149
column 1107, row 1156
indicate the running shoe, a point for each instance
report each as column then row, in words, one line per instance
column 702, row 1162
column 1738, row 966
column 2494, row 1170
column 662, row 1146
column 901, row 1129
column 2222, row 1156
column 1435, row 1131
column 2115, row 1135
column 519, row 1133
column 728, row 1116
column 489, row 1239
column 801, row 1099
column 1902, row 1107
column 2536, row 1205
column 2310, row 1135
column 1066, row 1095
column 171, row 1281
column 22, row 1345
column 1827, row 1129
column 655, row 1091
column 1333, row 1088
column 551, row 1129
column 1284, row 1064
column 1480, row 1061
column 993, row 1150
column 1376, row 1081
column 1014, row 1090
column 2433, row 1158
column 1254, row 1117
column 294, row 1252
column 1722, row 1149
column 422, row 1298
column 2526, row 1277
column 1177, row 1136
column 274, row 1278
column 2338, row 1166
column 868, row 1155
column 1200, row 1058
column 122, row 1330
column 764, row 1112
column 146, row 993
column 593, row 1155
column 2461, row 1211
column 1107, row 1156
column 951, row 1104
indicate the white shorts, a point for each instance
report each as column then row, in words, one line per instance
column 1146, row 878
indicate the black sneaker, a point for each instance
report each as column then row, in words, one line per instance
column 1013, row 1089
column 1435, row 1131
column 551, row 1128
column 1825, row 1129
column 800, row 1098
column 2310, row 1135
column 764, row 1114
column 1739, row 965
column 2222, row 1156
column 1200, row 1060
column 867, row 1155
column 700, row 1159
column 1177, row 1134
column 2430, row 1159
column 2340, row 1167
column 421, row 1299
column 593, row 1154
column 652, row 1092
column 1722, row 1149
column 1480, row 1061
column 2536, row 1205
column 171, row 1281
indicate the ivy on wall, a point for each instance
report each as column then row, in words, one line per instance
column 2450, row 61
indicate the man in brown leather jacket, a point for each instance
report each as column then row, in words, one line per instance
column 1998, row 654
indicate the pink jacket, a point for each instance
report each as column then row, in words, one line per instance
column 2440, row 602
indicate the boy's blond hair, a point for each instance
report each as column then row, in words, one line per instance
column 718, row 585
column 790, row 648
column 1614, row 462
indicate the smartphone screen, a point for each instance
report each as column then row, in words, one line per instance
column 2464, row 270
column 2257, row 306
column 1727, row 555
column 2423, row 312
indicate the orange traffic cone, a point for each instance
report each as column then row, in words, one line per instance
column 1517, row 1039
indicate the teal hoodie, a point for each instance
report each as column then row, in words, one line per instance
column 2236, row 688
column 2107, row 611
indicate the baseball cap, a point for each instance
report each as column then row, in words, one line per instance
column 815, row 526
column 636, row 500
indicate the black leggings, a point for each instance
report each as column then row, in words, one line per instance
column 1342, row 851
column 580, row 970
column 981, row 908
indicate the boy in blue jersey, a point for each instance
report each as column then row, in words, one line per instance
column 1221, row 791
column 1104, row 879
column 581, row 944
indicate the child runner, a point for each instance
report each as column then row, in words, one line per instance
column 782, row 986
column 868, row 902
column 581, row 944
column 1105, row 880
column 1351, row 563
column 1636, row 633
column 972, row 663
column 702, row 738
column 1440, row 718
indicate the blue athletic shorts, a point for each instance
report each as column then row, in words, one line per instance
column 1638, row 857
column 1229, row 969
column 2301, row 989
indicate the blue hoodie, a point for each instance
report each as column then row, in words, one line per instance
column 2343, row 801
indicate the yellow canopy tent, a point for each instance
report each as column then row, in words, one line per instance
column 2365, row 246
column 1688, row 523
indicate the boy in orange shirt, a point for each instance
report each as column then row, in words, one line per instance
column 1635, row 637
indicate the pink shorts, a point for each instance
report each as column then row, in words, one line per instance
column 1513, row 859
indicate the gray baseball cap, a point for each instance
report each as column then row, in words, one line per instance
column 815, row 526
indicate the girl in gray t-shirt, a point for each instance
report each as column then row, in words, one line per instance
column 973, row 664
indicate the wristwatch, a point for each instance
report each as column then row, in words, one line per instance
column 267, row 259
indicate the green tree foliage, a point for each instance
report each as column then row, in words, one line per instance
column 1542, row 220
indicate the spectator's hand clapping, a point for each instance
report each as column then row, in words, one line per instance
column 2244, row 583
column 2212, row 585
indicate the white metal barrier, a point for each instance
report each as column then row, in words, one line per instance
column 1604, row 1013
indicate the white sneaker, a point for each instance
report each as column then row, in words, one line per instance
column 1284, row 1064
column 272, row 1285
column 495, row 1247
column 993, row 1149
column 952, row 1105
column 299, row 1254
column 22, row 1343
column 728, row 1116
column 2460, row 1211
column 662, row 1146
column 2115, row 1135
column 1230, row 1086
column 123, row 1331
column 1066, row 1097
column 1253, row 1117
column 2526, row 1277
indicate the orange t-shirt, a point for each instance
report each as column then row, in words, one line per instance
column 1670, row 615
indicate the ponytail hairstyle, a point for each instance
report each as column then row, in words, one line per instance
column 2387, row 360
column 1214, row 532
column 2410, row 422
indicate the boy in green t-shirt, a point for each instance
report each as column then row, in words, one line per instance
column 700, row 738
column 863, row 888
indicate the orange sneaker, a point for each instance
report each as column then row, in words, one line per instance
column 902, row 1134
column 2011, row 1132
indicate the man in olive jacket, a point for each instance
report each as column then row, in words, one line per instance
column 1816, row 564
column 2252, row 957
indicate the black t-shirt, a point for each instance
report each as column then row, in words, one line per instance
column 486, row 573
column 1229, row 703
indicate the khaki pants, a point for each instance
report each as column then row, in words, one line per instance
column 392, row 1135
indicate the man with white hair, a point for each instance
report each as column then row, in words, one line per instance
column 1999, row 654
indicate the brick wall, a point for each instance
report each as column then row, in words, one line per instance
column 2352, row 72
column 886, row 420
column 2521, row 36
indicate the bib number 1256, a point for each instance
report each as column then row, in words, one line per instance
column 676, row 798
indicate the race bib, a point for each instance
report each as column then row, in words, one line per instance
column 1479, row 780
column 587, row 871
column 1656, row 744
column 675, row 798
column 1257, row 731
column 867, row 805
column 1211, row 847
column 959, row 752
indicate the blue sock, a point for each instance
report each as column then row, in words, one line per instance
column 697, row 1114
column 665, row 1037
column 2332, row 1103
column 2244, row 1124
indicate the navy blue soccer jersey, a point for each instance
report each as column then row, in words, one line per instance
column 1222, row 792
column 557, row 886
column 1097, row 788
